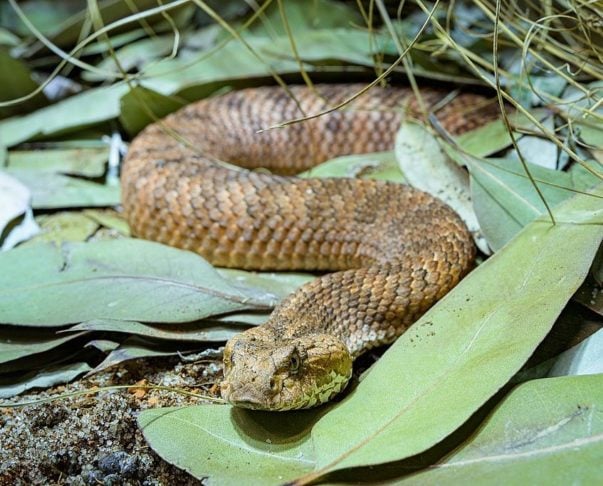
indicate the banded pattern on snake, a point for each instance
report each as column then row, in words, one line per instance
column 395, row 250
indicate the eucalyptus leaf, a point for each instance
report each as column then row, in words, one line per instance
column 466, row 347
column 141, row 106
column 505, row 200
column 88, row 162
column 494, row 136
column 109, row 218
column 250, row 318
column 54, row 190
column 61, row 227
column 122, row 279
column 303, row 17
column 89, row 107
column 547, row 431
column 377, row 165
column 200, row 332
column 225, row 445
column 18, row 343
column 16, row 81
column 137, row 348
column 55, row 375
column 279, row 284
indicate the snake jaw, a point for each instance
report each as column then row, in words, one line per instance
column 296, row 373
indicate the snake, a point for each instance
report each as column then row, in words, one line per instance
column 209, row 178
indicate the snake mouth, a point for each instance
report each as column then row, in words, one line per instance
column 247, row 397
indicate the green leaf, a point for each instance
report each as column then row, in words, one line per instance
column 54, row 190
column 141, row 106
column 304, row 17
column 276, row 284
column 18, row 343
column 137, row 348
column 109, row 219
column 89, row 107
column 16, row 81
column 122, row 279
column 505, row 200
column 43, row 379
column 378, row 165
column 464, row 349
column 546, row 431
column 200, row 332
column 494, row 136
column 61, row 227
column 87, row 162
column 232, row 446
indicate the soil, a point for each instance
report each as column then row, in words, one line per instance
column 93, row 439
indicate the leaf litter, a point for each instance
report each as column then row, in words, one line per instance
column 63, row 176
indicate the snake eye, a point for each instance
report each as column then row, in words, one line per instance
column 294, row 363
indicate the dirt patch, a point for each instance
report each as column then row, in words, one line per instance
column 94, row 439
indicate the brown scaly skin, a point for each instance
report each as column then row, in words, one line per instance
column 395, row 250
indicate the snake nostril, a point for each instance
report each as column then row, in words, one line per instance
column 274, row 384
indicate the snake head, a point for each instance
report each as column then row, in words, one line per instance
column 264, row 373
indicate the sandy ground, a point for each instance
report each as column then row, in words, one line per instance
column 93, row 439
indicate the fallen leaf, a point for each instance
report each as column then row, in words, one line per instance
column 122, row 279
column 546, row 431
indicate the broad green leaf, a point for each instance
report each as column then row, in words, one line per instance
column 54, row 190
column 232, row 446
column 16, row 81
column 505, row 200
column 351, row 46
column 546, row 431
column 18, row 343
column 494, row 136
column 277, row 284
column 87, row 162
column 141, row 106
column 55, row 375
column 68, row 32
column 378, row 165
column 304, row 17
column 137, row 348
column 200, row 332
column 91, row 106
column 61, row 227
column 109, row 219
column 132, row 57
column 251, row 318
column 8, row 39
column 103, row 345
column 122, row 279
column 192, row 78
column 465, row 348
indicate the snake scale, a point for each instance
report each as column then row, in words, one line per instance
column 394, row 250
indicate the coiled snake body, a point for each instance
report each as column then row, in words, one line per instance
column 395, row 250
